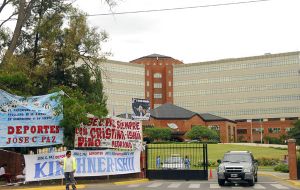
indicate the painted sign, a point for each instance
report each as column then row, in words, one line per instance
column 29, row 122
column 110, row 133
column 89, row 163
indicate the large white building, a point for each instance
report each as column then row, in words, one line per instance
column 122, row 81
column 266, row 86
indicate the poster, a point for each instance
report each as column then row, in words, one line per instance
column 31, row 121
column 89, row 163
column 140, row 109
column 110, row 133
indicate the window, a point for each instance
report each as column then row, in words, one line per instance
column 157, row 75
column 148, row 83
column 257, row 130
column 288, row 129
column 157, row 96
column 241, row 131
column 147, row 72
column 170, row 83
column 157, row 85
column 274, row 130
column 148, row 94
column 169, row 71
column 214, row 127
column 170, row 94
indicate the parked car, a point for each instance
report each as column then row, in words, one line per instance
column 173, row 162
column 237, row 166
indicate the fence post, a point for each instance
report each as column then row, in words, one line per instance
column 292, row 160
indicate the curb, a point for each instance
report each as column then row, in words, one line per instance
column 291, row 182
column 131, row 182
column 60, row 187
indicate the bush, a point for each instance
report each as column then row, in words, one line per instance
column 282, row 168
column 209, row 164
column 268, row 161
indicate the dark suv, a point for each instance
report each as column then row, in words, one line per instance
column 237, row 166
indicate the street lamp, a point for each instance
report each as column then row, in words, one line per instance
column 261, row 131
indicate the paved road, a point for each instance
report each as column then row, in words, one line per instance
column 266, row 183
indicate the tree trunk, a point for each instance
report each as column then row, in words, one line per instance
column 23, row 15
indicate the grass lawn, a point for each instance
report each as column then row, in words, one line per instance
column 216, row 151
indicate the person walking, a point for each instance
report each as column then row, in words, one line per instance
column 187, row 162
column 158, row 162
column 69, row 166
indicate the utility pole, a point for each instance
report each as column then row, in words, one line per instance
column 251, row 135
column 261, row 131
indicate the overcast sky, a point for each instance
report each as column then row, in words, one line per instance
column 200, row 34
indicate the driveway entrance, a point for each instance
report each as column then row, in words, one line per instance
column 186, row 161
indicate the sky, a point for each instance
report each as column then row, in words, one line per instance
column 199, row 34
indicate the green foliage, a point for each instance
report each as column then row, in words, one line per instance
column 156, row 134
column 263, row 161
column 202, row 133
column 274, row 140
column 295, row 132
column 282, row 168
column 58, row 51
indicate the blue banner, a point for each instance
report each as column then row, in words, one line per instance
column 30, row 121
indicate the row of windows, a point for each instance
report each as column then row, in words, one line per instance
column 119, row 102
column 124, row 92
column 157, row 75
column 127, row 69
column 124, row 81
column 158, row 85
column 238, row 89
column 249, row 100
column 259, row 111
column 247, row 64
column 238, row 78
column 258, row 130
column 157, row 96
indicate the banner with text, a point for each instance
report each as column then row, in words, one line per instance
column 29, row 122
column 110, row 133
column 89, row 163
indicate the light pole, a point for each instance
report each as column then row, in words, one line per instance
column 261, row 131
column 251, row 136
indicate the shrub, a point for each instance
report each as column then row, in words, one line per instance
column 268, row 161
column 282, row 168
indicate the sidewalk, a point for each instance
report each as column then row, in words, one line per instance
column 81, row 185
column 284, row 177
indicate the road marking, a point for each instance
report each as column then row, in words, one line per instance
column 155, row 185
column 214, row 186
column 174, row 185
column 134, row 185
column 258, row 186
column 278, row 186
column 194, row 186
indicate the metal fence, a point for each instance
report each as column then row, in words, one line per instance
column 176, row 161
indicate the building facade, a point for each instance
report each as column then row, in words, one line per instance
column 158, row 78
column 260, row 93
column 121, row 82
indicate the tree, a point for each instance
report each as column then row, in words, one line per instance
column 202, row 133
column 26, row 13
column 156, row 134
column 295, row 132
column 65, row 55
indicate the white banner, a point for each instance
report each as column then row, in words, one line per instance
column 110, row 133
column 89, row 163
